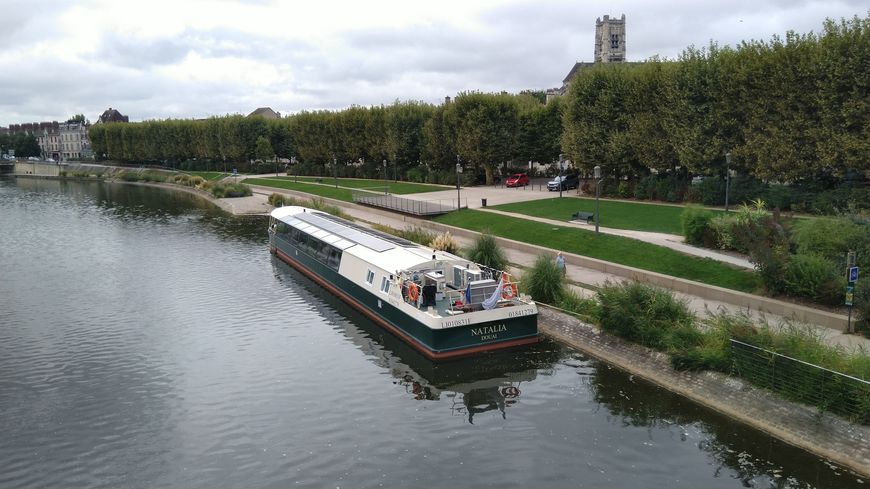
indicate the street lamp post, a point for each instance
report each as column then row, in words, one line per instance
column 386, row 182
column 335, row 170
column 597, row 175
column 458, row 172
column 727, row 177
column 561, row 178
column 276, row 164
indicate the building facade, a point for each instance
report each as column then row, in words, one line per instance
column 63, row 141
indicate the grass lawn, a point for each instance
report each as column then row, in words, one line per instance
column 614, row 249
column 375, row 185
column 321, row 190
column 207, row 175
column 614, row 214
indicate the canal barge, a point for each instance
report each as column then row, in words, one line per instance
column 441, row 304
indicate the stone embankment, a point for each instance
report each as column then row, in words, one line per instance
column 824, row 434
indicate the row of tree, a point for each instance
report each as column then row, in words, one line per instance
column 22, row 144
column 786, row 109
column 484, row 129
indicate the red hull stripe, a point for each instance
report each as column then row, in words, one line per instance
column 396, row 331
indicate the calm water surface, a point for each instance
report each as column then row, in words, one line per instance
column 148, row 340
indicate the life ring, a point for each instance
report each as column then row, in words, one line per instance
column 510, row 392
column 509, row 289
column 413, row 292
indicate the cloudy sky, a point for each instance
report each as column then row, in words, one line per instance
column 162, row 59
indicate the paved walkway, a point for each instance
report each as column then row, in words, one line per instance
column 582, row 280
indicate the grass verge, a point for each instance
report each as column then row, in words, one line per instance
column 614, row 214
column 614, row 249
column 321, row 190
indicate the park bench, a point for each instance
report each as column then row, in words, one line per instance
column 589, row 217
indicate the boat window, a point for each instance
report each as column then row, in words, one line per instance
column 385, row 285
column 370, row 277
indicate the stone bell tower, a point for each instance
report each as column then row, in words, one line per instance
column 610, row 40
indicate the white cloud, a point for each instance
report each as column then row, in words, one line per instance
column 163, row 58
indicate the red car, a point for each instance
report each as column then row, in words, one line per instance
column 517, row 180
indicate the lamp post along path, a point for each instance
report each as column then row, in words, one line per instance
column 727, row 177
column 458, row 172
column 561, row 178
column 597, row 175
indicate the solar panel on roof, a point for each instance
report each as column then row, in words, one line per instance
column 340, row 229
column 371, row 232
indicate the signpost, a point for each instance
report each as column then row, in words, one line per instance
column 851, row 279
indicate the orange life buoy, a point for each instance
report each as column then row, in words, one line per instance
column 413, row 292
column 509, row 289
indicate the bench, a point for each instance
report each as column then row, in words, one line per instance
column 589, row 217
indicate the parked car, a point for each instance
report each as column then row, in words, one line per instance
column 32, row 158
column 567, row 182
column 517, row 180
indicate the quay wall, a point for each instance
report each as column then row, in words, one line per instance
column 803, row 426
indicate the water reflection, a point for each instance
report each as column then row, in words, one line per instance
column 756, row 459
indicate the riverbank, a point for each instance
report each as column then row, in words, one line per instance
column 824, row 434
column 799, row 425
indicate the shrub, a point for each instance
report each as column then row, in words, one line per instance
column 647, row 315
column 228, row 190
column 623, row 190
column 586, row 308
column 696, row 224
column 644, row 188
column 445, row 242
column 813, row 277
column 277, row 200
column 768, row 244
column 487, row 252
column 544, row 281
column 130, row 176
column 417, row 235
column 711, row 191
column 830, row 237
column 779, row 196
column 861, row 301
column 722, row 228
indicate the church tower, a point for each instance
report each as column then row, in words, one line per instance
column 610, row 40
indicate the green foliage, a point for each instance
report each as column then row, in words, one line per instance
column 223, row 190
column 544, row 281
column 586, row 308
column 861, row 303
column 696, row 224
column 831, row 237
column 814, row 277
column 486, row 251
column 415, row 234
column 647, row 315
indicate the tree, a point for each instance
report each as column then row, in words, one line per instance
column 264, row 149
column 486, row 129
column 80, row 118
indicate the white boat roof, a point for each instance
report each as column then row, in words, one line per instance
column 387, row 252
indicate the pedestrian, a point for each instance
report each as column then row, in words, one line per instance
column 560, row 263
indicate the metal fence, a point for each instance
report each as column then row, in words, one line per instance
column 804, row 382
column 404, row 205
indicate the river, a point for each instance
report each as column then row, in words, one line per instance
column 148, row 339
